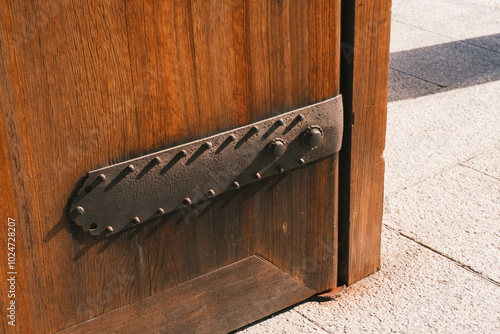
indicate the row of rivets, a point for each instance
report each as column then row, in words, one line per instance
column 276, row 148
column 186, row 201
column 279, row 169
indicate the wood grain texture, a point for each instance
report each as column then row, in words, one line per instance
column 365, row 71
column 9, row 211
column 84, row 84
column 218, row 302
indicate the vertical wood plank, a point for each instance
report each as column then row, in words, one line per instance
column 365, row 79
column 9, row 211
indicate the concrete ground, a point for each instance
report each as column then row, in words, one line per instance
column 441, row 229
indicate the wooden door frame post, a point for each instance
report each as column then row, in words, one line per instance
column 364, row 84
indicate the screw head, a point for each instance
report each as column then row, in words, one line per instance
column 302, row 161
column 136, row 220
column 258, row 176
column 183, row 153
column 156, row 160
column 109, row 229
column 313, row 136
column 280, row 122
column 130, row 168
column 207, row 145
column 211, row 193
column 187, row 201
column 280, row 169
column 101, row 178
column 235, row 185
column 160, row 211
column 255, row 129
column 79, row 210
column 277, row 148
column 231, row 138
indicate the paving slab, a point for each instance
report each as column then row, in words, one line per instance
column 457, row 213
column 493, row 4
column 457, row 19
column 417, row 291
column 403, row 86
column 283, row 323
column 431, row 133
column 441, row 62
column 406, row 37
column 486, row 162
column 447, row 64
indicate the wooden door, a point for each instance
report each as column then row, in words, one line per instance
column 88, row 83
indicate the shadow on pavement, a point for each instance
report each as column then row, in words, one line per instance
column 443, row 67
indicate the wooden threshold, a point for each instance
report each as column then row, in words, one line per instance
column 218, row 302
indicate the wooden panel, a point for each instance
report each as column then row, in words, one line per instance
column 365, row 80
column 218, row 302
column 87, row 83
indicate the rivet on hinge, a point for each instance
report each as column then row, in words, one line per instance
column 79, row 210
column 277, row 148
column 312, row 137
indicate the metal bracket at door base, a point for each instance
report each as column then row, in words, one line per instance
column 116, row 197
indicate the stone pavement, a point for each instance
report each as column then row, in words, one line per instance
column 441, row 234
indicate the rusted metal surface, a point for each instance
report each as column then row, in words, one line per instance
column 330, row 294
column 125, row 194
